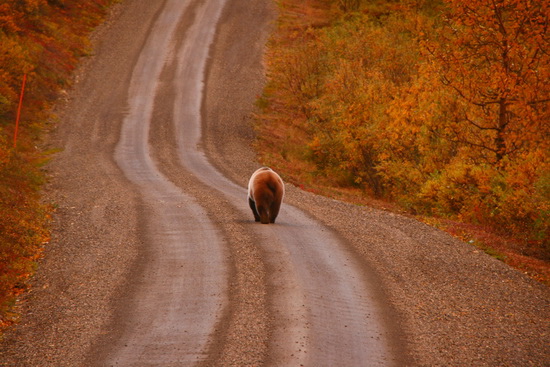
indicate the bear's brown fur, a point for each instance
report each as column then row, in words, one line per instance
column 265, row 194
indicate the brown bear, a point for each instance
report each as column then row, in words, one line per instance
column 265, row 194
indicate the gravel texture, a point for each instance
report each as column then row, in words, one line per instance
column 448, row 304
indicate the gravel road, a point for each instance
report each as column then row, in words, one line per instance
column 156, row 261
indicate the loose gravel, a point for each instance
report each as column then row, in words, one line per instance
column 448, row 304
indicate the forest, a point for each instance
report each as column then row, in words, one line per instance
column 438, row 108
column 41, row 41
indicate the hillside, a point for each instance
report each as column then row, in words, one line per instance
column 439, row 109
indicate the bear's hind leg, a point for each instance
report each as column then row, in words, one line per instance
column 274, row 211
column 254, row 210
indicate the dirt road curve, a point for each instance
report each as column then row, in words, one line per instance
column 156, row 259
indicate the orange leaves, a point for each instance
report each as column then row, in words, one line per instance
column 494, row 56
column 445, row 114
column 42, row 38
column 23, row 225
column 494, row 62
column 8, row 22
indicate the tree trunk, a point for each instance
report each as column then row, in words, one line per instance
column 500, row 143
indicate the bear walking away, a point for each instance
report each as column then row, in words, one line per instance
column 265, row 194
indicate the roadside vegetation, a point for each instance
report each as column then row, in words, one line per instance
column 44, row 40
column 435, row 108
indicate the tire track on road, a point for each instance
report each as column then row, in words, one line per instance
column 323, row 307
column 183, row 289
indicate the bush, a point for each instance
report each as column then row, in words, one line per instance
column 384, row 100
column 43, row 39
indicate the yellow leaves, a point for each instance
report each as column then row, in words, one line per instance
column 402, row 108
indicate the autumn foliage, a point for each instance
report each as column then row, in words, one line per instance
column 43, row 39
column 439, row 106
